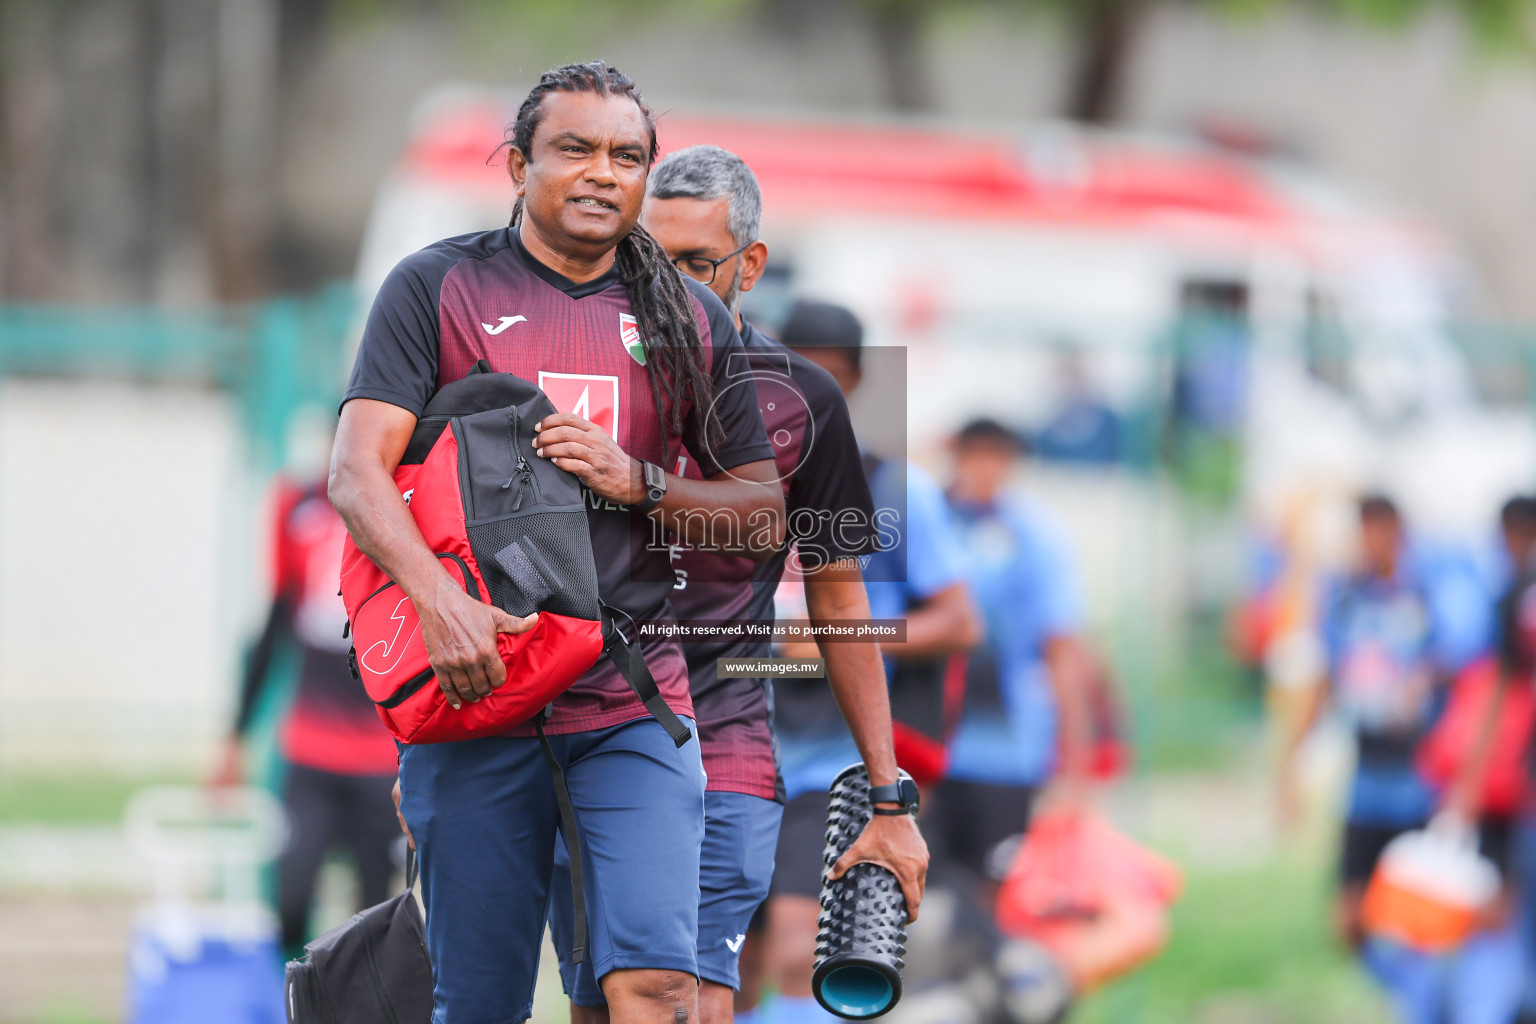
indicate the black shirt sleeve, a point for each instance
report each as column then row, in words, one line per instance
column 1516, row 656
column 397, row 358
column 831, row 512
column 258, row 661
column 735, row 397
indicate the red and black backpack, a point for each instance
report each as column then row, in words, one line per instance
column 514, row 529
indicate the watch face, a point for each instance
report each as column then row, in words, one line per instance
column 908, row 790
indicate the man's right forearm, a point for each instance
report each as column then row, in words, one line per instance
column 946, row 624
column 1464, row 795
column 459, row 632
column 1067, row 671
column 381, row 525
column 1295, row 731
column 854, row 671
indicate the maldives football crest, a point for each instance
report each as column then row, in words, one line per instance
column 629, row 334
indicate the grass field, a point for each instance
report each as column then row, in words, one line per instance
column 1251, row 940
column 54, row 797
column 1250, row 945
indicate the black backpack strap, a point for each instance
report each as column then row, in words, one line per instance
column 572, row 836
column 631, row 664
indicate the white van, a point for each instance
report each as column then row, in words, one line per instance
column 988, row 253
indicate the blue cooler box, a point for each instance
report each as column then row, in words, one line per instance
column 190, row 968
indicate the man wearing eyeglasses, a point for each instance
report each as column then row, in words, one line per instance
column 696, row 263
column 703, row 207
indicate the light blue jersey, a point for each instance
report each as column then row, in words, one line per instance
column 1022, row 578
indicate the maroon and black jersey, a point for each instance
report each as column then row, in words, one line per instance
column 330, row 724
column 830, row 516
column 484, row 296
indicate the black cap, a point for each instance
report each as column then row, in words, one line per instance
column 814, row 324
column 1376, row 505
column 1518, row 513
column 985, row 428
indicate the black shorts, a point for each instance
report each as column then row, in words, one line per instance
column 802, row 842
column 974, row 827
column 1363, row 846
column 1362, row 849
column 1496, row 841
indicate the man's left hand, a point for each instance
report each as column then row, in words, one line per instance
column 410, row 840
column 581, row 448
column 893, row 842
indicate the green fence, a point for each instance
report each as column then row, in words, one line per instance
column 277, row 357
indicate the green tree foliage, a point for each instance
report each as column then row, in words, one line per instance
column 1104, row 33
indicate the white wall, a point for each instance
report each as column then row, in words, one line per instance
column 124, row 535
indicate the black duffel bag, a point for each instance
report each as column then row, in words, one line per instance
column 374, row 969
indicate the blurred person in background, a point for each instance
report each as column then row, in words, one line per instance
column 1026, row 719
column 1517, row 667
column 919, row 578
column 1515, row 647
column 704, row 207
column 1378, row 629
column 1213, row 342
column 1083, row 427
column 339, row 761
column 1387, row 674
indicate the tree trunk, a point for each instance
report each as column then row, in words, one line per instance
column 900, row 28
column 248, row 104
column 1106, row 32
column 184, row 118
column 30, row 101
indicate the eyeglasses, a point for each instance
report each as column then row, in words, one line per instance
column 703, row 269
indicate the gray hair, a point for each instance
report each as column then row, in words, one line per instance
column 709, row 172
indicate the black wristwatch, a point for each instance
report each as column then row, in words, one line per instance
column 655, row 479
column 903, row 791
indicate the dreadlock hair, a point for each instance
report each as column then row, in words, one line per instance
column 662, row 305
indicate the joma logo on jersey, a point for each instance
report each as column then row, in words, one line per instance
column 589, row 395
column 502, row 324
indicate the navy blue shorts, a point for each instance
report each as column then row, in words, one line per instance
column 484, row 817
column 735, row 868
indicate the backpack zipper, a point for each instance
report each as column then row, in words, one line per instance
column 522, row 471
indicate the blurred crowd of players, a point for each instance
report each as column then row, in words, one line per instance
column 1428, row 658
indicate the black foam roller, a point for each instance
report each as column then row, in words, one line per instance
column 862, row 934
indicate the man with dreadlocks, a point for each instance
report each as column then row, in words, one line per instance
column 577, row 298
column 704, row 208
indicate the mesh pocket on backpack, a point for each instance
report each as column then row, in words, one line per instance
column 541, row 561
